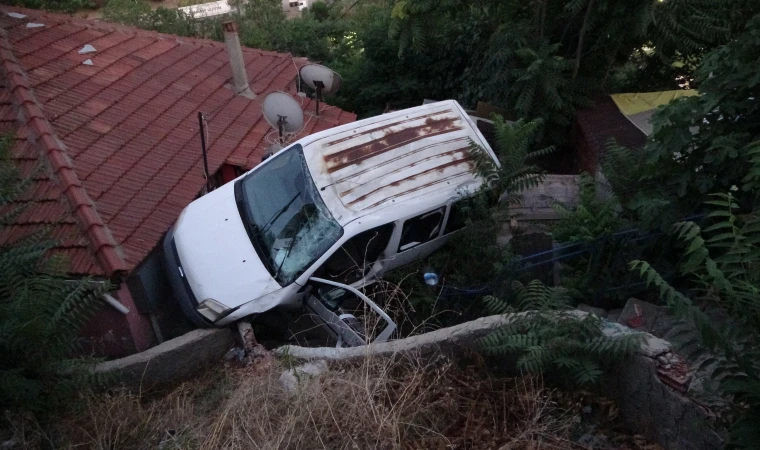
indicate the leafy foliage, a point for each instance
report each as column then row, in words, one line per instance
column 68, row 6
column 701, row 144
column 597, row 215
column 41, row 314
column 540, row 59
column 722, row 265
column 531, row 79
column 602, row 255
column 174, row 21
column 548, row 337
column 515, row 144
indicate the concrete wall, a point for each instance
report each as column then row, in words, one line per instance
column 537, row 203
column 171, row 361
column 653, row 409
column 647, row 405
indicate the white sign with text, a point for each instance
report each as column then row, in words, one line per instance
column 207, row 9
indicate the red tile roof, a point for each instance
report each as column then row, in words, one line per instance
column 118, row 141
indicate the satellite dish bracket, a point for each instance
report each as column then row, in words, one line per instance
column 318, row 85
column 322, row 79
column 281, row 122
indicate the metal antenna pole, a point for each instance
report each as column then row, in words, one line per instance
column 281, row 121
column 319, row 85
column 203, row 149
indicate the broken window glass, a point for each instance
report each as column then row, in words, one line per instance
column 288, row 220
column 421, row 229
column 457, row 218
column 354, row 258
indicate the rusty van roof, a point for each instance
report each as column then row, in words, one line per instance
column 389, row 159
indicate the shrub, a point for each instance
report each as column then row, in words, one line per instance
column 41, row 312
column 593, row 218
column 700, row 144
column 548, row 337
column 721, row 264
column 173, row 21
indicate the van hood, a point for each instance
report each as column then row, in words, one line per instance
column 215, row 253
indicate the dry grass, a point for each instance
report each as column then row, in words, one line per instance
column 379, row 404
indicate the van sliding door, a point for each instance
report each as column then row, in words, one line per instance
column 419, row 237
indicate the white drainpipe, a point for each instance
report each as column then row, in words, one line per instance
column 118, row 306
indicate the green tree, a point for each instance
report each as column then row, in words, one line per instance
column 530, row 79
column 700, row 144
column 539, row 59
column 319, row 10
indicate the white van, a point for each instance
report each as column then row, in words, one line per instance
column 328, row 214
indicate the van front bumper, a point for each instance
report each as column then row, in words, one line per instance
column 181, row 288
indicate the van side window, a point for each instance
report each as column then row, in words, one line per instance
column 350, row 262
column 456, row 219
column 421, row 229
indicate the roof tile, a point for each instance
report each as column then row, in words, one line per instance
column 129, row 128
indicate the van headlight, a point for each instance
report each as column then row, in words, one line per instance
column 212, row 310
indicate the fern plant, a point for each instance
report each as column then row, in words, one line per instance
column 722, row 265
column 588, row 230
column 549, row 337
column 41, row 312
column 515, row 150
column 595, row 216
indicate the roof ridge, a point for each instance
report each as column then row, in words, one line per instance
column 106, row 248
column 105, row 25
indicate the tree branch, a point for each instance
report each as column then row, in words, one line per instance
column 584, row 29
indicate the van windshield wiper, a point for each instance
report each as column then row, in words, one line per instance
column 277, row 215
column 285, row 257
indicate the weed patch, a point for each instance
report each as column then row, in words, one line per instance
column 378, row 403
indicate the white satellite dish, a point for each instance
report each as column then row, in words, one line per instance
column 283, row 113
column 320, row 78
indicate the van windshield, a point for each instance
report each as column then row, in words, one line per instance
column 288, row 222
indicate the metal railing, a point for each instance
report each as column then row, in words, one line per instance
column 602, row 265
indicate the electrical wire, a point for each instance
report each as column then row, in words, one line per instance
column 304, row 127
column 298, row 75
